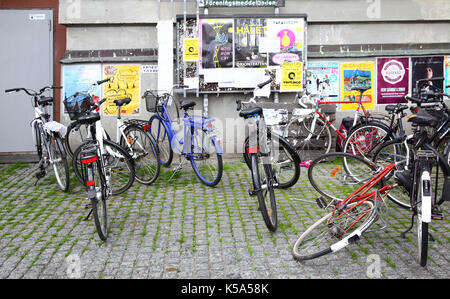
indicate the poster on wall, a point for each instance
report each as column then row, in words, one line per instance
column 247, row 49
column 190, row 49
column 79, row 78
column 216, row 42
column 124, row 83
column 291, row 76
column 323, row 78
column 447, row 73
column 290, row 36
column 424, row 68
column 357, row 75
column 393, row 80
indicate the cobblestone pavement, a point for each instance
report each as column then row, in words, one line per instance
column 183, row 229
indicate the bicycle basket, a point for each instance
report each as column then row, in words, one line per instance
column 151, row 100
column 76, row 106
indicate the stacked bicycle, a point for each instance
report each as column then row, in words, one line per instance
column 356, row 187
column 48, row 137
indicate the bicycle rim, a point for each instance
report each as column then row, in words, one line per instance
column 144, row 152
column 285, row 162
column 99, row 203
column 206, row 162
column 334, row 231
column 364, row 139
column 59, row 163
column 158, row 131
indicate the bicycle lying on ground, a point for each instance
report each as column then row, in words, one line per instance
column 200, row 143
column 47, row 135
column 131, row 134
column 354, row 204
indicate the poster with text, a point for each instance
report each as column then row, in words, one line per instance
column 248, row 33
column 216, row 42
column 426, row 67
column 447, row 74
column 290, row 34
column 356, row 75
column 124, row 83
column 291, row 76
column 393, row 80
column 322, row 78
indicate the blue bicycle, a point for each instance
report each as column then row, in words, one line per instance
column 199, row 143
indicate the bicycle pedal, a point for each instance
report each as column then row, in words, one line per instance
column 252, row 192
column 40, row 174
column 88, row 206
column 436, row 213
column 116, row 169
column 320, row 202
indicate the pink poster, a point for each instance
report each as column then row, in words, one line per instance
column 393, row 80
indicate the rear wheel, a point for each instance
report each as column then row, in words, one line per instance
column 158, row 132
column 59, row 162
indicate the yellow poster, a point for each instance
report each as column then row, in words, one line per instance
column 357, row 76
column 291, row 76
column 191, row 47
column 124, row 83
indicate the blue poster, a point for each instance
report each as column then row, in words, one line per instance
column 323, row 78
column 79, row 78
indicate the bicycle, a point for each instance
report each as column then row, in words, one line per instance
column 310, row 133
column 200, row 143
column 100, row 163
column 363, row 138
column 131, row 134
column 47, row 136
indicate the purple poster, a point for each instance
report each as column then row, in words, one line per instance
column 393, row 80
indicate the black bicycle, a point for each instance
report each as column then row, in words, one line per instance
column 47, row 135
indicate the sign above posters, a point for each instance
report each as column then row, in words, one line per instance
column 393, row 80
column 241, row 3
column 260, row 45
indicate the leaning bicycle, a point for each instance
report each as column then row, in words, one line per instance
column 48, row 137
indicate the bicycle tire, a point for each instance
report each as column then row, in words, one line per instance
column 201, row 171
column 99, row 205
column 334, row 235
column 334, row 184
column 61, row 174
column 73, row 139
column 111, row 166
column 281, row 154
column 145, row 154
column 359, row 140
column 297, row 133
column 158, row 132
column 269, row 216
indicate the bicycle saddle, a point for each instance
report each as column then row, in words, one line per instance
column 121, row 102
column 89, row 118
column 245, row 113
column 423, row 120
column 396, row 108
column 45, row 101
column 187, row 105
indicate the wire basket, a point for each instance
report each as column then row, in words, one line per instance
column 76, row 106
column 151, row 100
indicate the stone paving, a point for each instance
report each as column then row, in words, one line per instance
column 183, row 229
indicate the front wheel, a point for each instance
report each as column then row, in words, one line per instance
column 262, row 177
column 59, row 163
column 206, row 160
column 159, row 133
column 98, row 195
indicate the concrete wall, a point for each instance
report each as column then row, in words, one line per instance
column 341, row 30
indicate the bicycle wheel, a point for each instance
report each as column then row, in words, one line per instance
column 422, row 238
column 97, row 193
column 334, row 181
column 59, row 163
column 309, row 143
column 364, row 138
column 145, row 154
column 76, row 136
column 158, row 132
column 335, row 230
column 206, row 160
column 263, row 187
column 285, row 161
column 118, row 165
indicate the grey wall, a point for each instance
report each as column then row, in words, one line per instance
column 414, row 27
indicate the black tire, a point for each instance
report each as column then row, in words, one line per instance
column 262, row 176
column 364, row 138
column 334, row 181
column 422, row 241
column 158, row 132
column 285, row 161
column 37, row 134
column 98, row 195
column 60, row 166
column 145, row 153
column 120, row 167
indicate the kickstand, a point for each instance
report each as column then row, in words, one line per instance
column 410, row 228
column 88, row 206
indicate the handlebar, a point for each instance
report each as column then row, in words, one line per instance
column 103, row 81
column 31, row 92
column 261, row 85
